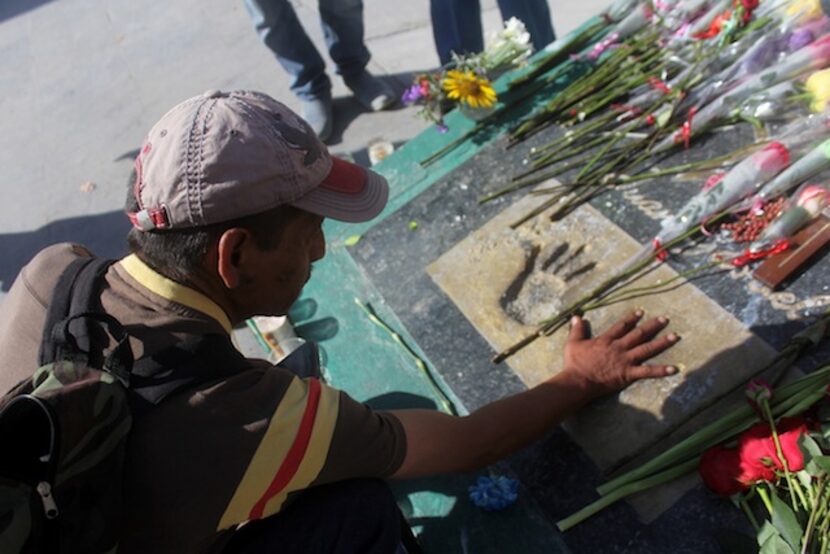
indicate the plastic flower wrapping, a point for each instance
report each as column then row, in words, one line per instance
column 806, row 205
column 653, row 81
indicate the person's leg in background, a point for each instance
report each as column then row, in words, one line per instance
column 535, row 14
column 456, row 27
column 281, row 31
column 358, row 516
column 342, row 22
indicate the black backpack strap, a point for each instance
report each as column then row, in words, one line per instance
column 59, row 308
column 185, row 365
column 76, row 327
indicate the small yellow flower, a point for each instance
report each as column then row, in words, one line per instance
column 467, row 87
column 818, row 85
column 806, row 10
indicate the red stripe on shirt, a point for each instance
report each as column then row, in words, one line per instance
column 295, row 453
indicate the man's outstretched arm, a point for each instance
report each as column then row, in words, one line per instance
column 440, row 443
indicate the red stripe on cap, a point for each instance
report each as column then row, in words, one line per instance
column 345, row 177
column 295, row 453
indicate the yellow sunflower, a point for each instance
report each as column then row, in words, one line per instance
column 467, row 87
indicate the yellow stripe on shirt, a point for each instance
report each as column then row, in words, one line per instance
column 173, row 291
column 274, row 446
column 317, row 451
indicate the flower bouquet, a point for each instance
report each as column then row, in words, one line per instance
column 772, row 448
column 784, row 464
column 466, row 82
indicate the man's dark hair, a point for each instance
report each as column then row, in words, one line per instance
column 178, row 253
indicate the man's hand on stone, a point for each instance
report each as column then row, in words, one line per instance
column 615, row 359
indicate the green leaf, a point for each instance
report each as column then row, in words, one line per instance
column 352, row 240
column 805, row 478
column 809, row 447
column 775, row 545
column 819, row 465
column 767, row 531
column 785, row 521
column 663, row 118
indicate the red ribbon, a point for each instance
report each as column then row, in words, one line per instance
column 747, row 257
column 716, row 26
column 659, row 85
column 660, row 254
column 685, row 133
column 713, row 180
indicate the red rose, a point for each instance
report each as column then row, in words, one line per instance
column 720, row 468
column 790, row 430
column 758, row 456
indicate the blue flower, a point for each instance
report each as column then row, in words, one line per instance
column 494, row 493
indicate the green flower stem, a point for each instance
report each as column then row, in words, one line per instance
column 571, row 94
column 627, row 490
column 447, row 404
column 586, row 129
column 617, row 138
column 805, row 403
column 815, row 507
column 573, row 42
column 728, row 426
column 825, row 526
column 793, row 488
column 715, row 433
column 539, row 209
column 637, row 292
column 749, row 515
column 703, row 165
column 561, row 154
column 762, row 492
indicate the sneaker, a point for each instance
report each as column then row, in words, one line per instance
column 319, row 114
column 372, row 93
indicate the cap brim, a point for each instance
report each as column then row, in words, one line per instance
column 349, row 193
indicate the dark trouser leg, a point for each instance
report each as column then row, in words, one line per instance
column 342, row 22
column 358, row 516
column 456, row 27
column 281, row 31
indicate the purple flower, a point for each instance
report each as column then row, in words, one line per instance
column 762, row 55
column 442, row 128
column 494, row 493
column 412, row 94
column 799, row 39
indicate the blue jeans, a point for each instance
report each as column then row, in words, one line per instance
column 281, row 31
column 456, row 24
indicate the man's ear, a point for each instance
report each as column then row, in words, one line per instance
column 231, row 251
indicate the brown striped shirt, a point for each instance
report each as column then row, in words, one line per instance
column 206, row 460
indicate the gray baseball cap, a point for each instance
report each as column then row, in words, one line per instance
column 226, row 155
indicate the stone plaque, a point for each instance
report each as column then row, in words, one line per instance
column 505, row 281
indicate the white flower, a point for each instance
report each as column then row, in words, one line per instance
column 511, row 45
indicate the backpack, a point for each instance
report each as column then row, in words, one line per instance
column 64, row 430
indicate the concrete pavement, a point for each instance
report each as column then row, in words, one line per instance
column 82, row 81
